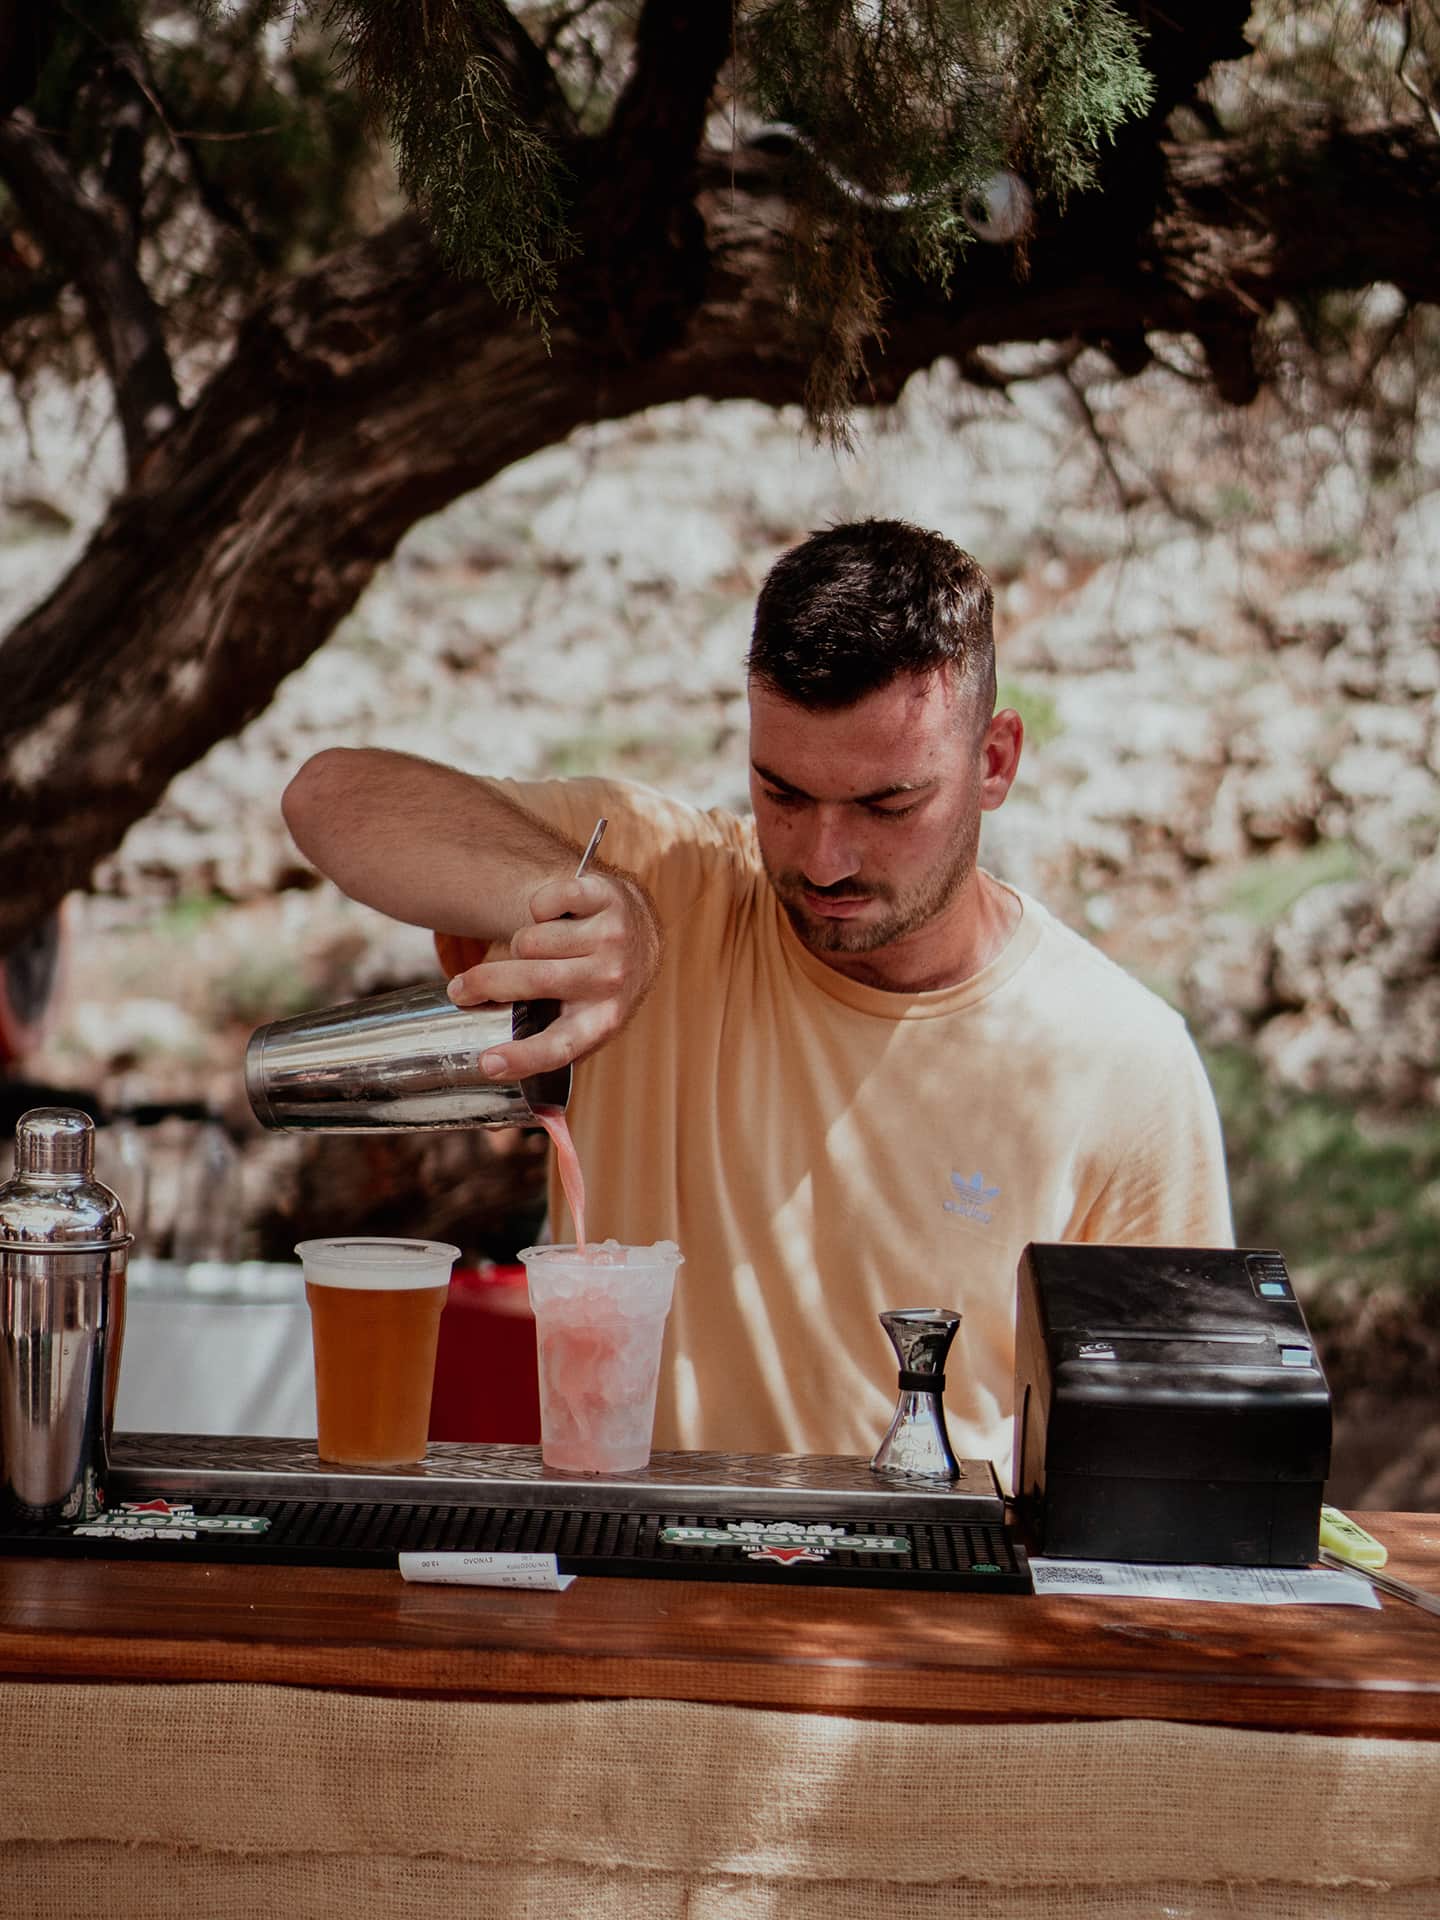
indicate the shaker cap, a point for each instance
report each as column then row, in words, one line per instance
column 54, row 1199
column 54, row 1140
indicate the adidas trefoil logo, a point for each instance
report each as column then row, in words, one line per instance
column 972, row 1197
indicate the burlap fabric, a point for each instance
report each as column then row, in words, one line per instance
column 225, row 1801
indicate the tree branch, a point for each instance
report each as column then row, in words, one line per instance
column 1182, row 44
column 659, row 120
column 1242, row 227
column 1180, row 47
column 123, row 184
column 133, row 63
column 641, row 211
column 376, row 388
column 27, row 29
column 1125, row 495
column 91, row 244
column 536, row 90
column 1415, row 92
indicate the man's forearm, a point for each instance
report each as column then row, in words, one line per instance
column 421, row 842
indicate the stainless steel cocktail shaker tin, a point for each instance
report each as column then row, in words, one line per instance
column 64, row 1245
column 400, row 1062
column 403, row 1062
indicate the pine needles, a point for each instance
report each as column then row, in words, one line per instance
column 906, row 109
column 483, row 175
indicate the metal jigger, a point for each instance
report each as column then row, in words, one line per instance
column 917, row 1441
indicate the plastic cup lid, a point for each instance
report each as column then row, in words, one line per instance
column 370, row 1261
column 602, row 1254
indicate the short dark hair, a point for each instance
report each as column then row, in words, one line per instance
column 853, row 607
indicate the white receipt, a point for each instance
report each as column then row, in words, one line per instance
column 1246, row 1586
column 538, row 1571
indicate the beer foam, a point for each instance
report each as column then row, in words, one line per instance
column 371, row 1262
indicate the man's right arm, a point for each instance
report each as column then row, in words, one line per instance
column 435, row 847
column 421, row 842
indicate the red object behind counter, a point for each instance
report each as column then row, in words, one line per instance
column 487, row 1383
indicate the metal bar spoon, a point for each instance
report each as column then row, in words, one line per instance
column 589, row 853
column 1387, row 1582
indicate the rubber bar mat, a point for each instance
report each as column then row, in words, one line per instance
column 685, row 1546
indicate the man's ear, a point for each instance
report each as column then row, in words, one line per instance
column 1000, row 757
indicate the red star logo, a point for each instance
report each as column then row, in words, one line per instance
column 785, row 1555
column 147, row 1506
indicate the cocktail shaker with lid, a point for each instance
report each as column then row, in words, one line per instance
column 64, row 1245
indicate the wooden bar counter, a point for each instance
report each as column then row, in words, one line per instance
column 941, row 1657
column 226, row 1739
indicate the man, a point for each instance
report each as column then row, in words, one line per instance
column 822, row 1048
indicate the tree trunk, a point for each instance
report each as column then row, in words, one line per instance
column 375, row 389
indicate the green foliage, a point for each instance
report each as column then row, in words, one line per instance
column 279, row 144
column 907, row 107
column 1078, row 63
column 887, row 94
column 1234, row 503
column 258, row 149
column 1035, row 708
column 1346, row 1197
column 919, row 100
column 1264, row 890
column 247, row 160
column 649, row 756
column 187, row 913
column 486, row 179
column 256, row 987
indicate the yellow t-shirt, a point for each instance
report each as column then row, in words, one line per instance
column 822, row 1150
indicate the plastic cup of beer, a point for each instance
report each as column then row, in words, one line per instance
column 375, row 1307
column 600, row 1315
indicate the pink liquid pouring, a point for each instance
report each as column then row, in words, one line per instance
column 572, row 1180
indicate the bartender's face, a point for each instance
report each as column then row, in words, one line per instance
column 868, row 816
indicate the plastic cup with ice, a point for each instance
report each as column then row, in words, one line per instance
column 600, row 1317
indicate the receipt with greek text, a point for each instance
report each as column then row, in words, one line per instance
column 1243, row 1586
column 538, row 1571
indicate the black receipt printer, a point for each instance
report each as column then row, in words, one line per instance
column 1169, row 1405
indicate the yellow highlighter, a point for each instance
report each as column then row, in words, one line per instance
column 1352, row 1550
column 1348, row 1542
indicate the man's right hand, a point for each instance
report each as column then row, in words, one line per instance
column 439, row 848
column 594, row 945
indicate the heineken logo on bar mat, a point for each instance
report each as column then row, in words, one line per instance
column 165, row 1520
column 784, row 1541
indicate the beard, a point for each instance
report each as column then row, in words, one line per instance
column 900, row 913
